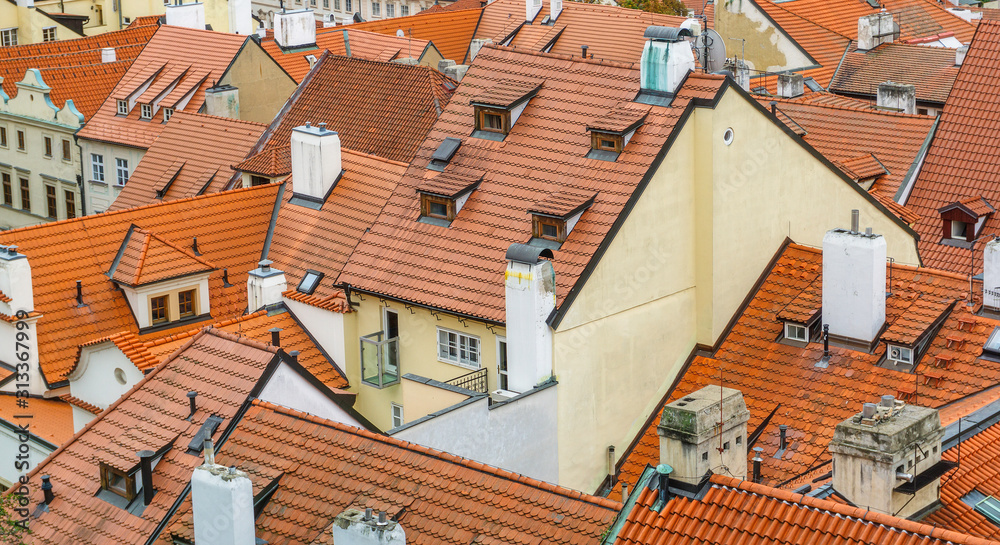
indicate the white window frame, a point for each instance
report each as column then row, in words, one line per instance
column 959, row 236
column 396, row 414
column 97, row 167
column 122, row 107
column 167, row 114
column 404, row 10
column 502, row 374
column 146, row 111
column 390, row 9
column 8, row 37
column 347, row 5
column 905, row 354
column 121, row 171
column 796, row 332
column 376, row 8
column 46, row 30
column 459, row 336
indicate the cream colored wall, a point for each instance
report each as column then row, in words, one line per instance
column 423, row 399
column 263, row 85
column 701, row 234
column 100, row 195
column 418, row 355
column 766, row 47
column 29, row 24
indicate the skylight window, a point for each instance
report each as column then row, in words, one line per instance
column 989, row 507
column 796, row 332
column 992, row 345
column 309, row 282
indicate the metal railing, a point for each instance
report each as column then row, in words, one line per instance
column 475, row 381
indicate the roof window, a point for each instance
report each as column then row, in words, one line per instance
column 443, row 154
column 963, row 220
column 989, row 507
column 992, row 346
column 610, row 133
column 553, row 218
column 796, row 332
column 812, row 84
column 442, row 197
column 122, row 107
column 118, row 482
column 309, row 282
column 498, row 108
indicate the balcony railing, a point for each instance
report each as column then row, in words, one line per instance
column 379, row 360
column 475, row 381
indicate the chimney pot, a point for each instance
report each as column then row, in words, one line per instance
column 663, row 472
column 790, row 85
column 624, row 491
column 855, row 220
column 47, row 490
column 888, row 401
column 368, row 513
column 295, row 355
column 783, row 443
column 146, row 474
column 209, row 450
column 322, row 126
column 275, row 336
column 868, row 410
column 191, row 401
column 265, row 265
column 774, row 107
column 12, row 249
column 584, row 49
column 382, row 518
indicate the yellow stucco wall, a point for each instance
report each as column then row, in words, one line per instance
column 766, row 47
column 705, row 228
column 29, row 24
column 263, row 85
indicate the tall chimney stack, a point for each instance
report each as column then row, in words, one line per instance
column 530, row 289
column 222, row 504
column 874, row 30
column 265, row 286
column 666, row 59
column 854, row 267
column 294, row 29
column 316, row 161
column 790, row 85
column 897, row 96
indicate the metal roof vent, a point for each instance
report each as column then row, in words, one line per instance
column 443, row 154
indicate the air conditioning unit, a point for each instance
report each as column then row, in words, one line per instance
column 499, row 396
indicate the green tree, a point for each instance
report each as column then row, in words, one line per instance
column 667, row 7
column 12, row 528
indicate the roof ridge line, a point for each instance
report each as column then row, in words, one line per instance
column 570, row 58
column 198, row 115
column 427, row 451
column 873, row 517
column 842, row 107
column 142, row 254
column 191, row 332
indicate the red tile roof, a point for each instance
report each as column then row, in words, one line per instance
column 810, row 401
column 931, row 69
column 209, row 55
column 825, row 46
column 962, row 161
column 179, row 163
column 323, row 239
column 450, row 31
column 735, row 511
column 378, row 108
column 371, row 46
column 136, row 33
column 51, row 419
column 977, row 470
column 230, row 227
column 145, row 258
column 220, row 367
column 403, row 258
column 326, row 467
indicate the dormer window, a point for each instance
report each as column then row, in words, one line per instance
column 117, row 481
column 796, row 332
column 610, row 133
column 553, row 217
column 442, row 197
column 498, row 108
column 963, row 220
column 899, row 355
column 146, row 111
column 309, row 282
column 167, row 114
column 158, row 309
column 122, row 107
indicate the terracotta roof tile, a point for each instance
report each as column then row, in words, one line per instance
column 400, row 257
column 450, row 31
column 508, row 92
column 52, row 419
column 220, row 367
column 451, row 184
column 977, row 471
column 962, row 162
column 620, row 118
column 163, row 49
column 824, row 45
column 378, row 108
column 771, row 373
column 77, row 402
column 230, row 227
column 436, row 497
column 931, row 69
column 735, row 511
column 179, row 163
column 147, row 258
column 371, row 46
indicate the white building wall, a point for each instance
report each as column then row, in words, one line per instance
column 9, row 451
column 289, row 389
column 325, row 326
column 95, row 380
column 100, row 195
column 518, row 436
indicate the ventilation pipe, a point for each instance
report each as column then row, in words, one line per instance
column 146, row 473
column 663, row 472
column 192, row 395
column 47, row 490
column 79, row 293
column 275, row 337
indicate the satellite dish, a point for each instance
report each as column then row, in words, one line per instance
column 399, row 34
column 711, row 50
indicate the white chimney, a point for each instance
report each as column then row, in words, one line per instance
column 354, row 527
column 555, row 8
column 897, row 96
column 666, row 59
column 874, row 30
column 294, row 28
column 960, row 55
column 222, row 505
column 108, row 54
column 790, row 85
column 240, row 17
column 854, row 266
column 530, row 284
column 265, row 286
column 186, row 15
column 475, row 46
column 25, row 3
column 531, row 9
column 316, row 161
column 223, row 101
column 991, row 274
column 15, row 280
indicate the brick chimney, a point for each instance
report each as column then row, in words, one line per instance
column 874, row 30
column 223, row 101
column 666, row 59
column 530, row 287
column 689, row 433
column 354, row 527
column 854, row 267
column 191, row 15
column 991, row 274
column 316, row 161
column 294, row 28
column 790, row 85
column 222, row 504
column 888, row 458
column 265, row 286
column 897, row 96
